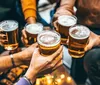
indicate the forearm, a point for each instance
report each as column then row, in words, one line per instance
column 67, row 5
column 6, row 62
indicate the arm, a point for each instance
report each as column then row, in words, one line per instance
column 42, row 64
column 21, row 58
column 6, row 63
column 66, row 7
column 29, row 10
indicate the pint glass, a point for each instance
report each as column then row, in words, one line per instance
column 49, row 42
column 32, row 31
column 64, row 23
column 10, row 29
column 78, row 39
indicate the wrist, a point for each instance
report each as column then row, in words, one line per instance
column 31, row 75
column 31, row 20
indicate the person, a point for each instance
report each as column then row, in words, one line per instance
column 45, row 65
column 88, row 14
column 40, row 65
column 32, row 16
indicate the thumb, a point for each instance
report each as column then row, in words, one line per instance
column 36, row 52
column 24, row 33
column 89, row 46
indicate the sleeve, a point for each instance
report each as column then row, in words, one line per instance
column 29, row 8
column 23, row 81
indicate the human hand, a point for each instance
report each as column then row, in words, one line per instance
column 42, row 64
column 60, row 11
column 27, row 54
column 3, row 38
column 24, row 37
column 94, row 40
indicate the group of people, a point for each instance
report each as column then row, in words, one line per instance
column 87, row 13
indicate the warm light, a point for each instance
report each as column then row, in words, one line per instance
column 37, row 82
column 62, row 76
column 48, row 77
column 49, row 81
column 58, row 80
column 69, row 79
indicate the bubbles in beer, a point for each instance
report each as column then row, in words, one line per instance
column 8, row 25
column 79, row 32
column 34, row 28
column 48, row 38
column 66, row 20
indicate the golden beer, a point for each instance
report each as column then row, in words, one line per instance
column 78, row 39
column 49, row 42
column 32, row 30
column 64, row 23
column 10, row 28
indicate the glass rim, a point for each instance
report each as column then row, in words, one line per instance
column 78, row 25
column 70, row 16
column 51, row 45
column 25, row 27
column 5, row 21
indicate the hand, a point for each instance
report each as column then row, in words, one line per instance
column 60, row 11
column 94, row 40
column 24, row 37
column 27, row 54
column 41, row 63
column 3, row 38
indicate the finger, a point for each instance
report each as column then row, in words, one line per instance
column 56, row 54
column 35, row 44
column 60, row 63
column 2, row 36
column 89, row 45
column 24, row 33
column 56, row 25
column 24, row 40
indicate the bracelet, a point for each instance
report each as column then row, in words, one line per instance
column 12, row 60
column 27, row 79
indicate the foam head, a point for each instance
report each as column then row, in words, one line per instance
column 66, row 20
column 79, row 32
column 34, row 28
column 8, row 25
column 48, row 38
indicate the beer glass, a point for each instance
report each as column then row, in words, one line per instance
column 10, row 29
column 32, row 31
column 49, row 42
column 64, row 23
column 78, row 39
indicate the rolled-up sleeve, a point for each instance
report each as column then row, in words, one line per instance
column 29, row 8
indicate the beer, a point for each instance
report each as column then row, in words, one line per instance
column 10, row 28
column 78, row 39
column 32, row 31
column 64, row 23
column 49, row 42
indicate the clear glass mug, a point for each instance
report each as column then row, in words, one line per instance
column 78, row 39
column 10, row 29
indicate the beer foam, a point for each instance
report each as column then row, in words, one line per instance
column 34, row 28
column 67, row 20
column 8, row 25
column 79, row 32
column 48, row 38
